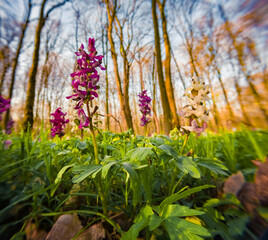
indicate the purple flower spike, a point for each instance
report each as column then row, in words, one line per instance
column 10, row 125
column 144, row 107
column 4, row 105
column 85, row 79
column 58, row 122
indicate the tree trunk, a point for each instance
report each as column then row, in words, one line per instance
column 240, row 59
column 168, row 80
column 156, row 122
column 124, row 104
column 164, row 99
column 5, row 68
column 178, row 69
column 215, row 108
column 28, row 112
column 16, row 59
column 225, row 94
column 105, row 49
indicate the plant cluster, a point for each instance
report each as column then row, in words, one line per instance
column 145, row 109
column 58, row 123
column 195, row 110
column 46, row 179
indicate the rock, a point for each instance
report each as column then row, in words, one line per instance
column 261, row 181
column 95, row 232
column 65, row 228
column 33, row 233
column 234, row 183
column 248, row 198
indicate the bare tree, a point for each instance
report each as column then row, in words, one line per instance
column 24, row 26
column 28, row 113
column 164, row 99
column 167, row 62
column 113, row 21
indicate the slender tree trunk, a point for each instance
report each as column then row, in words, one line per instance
column 141, row 76
column 105, row 45
column 156, row 122
column 215, row 108
column 240, row 59
column 168, row 80
column 124, row 104
column 164, row 98
column 16, row 59
column 28, row 112
column 5, row 68
column 178, row 69
column 141, row 73
column 225, row 94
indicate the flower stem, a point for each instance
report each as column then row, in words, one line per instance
column 95, row 145
column 97, row 162
column 184, row 143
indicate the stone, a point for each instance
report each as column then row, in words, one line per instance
column 65, row 228
column 234, row 183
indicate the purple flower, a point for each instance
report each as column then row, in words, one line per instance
column 9, row 126
column 7, row 143
column 85, row 79
column 84, row 120
column 58, row 123
column 144, row 107
column 4, row 105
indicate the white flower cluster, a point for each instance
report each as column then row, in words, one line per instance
column 197, row 95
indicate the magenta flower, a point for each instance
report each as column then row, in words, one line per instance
column 4, row 105
column 84, row 120
column 7, row 143
column 10, row 125
column 58, row 122
column 144, row 107
column 85, row 79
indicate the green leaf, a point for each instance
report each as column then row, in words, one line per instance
column 177, row 196
column 139, row 154
column 140, row 222
column 135, row 183
column 105, row 169
column 175, row 210
column 213, row 166
column 263, row 211
column 77, row 122
column 156, row 141
column 88, row 170
column 237, row 226
column 169, row 150
column 60, row 173
column 191, row 167
column 154, row 222
column 178, row 228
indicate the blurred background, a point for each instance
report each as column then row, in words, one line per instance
column 153, row 45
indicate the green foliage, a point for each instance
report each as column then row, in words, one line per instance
column 167, row 194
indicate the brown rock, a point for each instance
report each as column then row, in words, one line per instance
column 248, row 198
column 234, row 183
column 95, row 232
column 261, row 180
column 33, row 233
column 65, row 228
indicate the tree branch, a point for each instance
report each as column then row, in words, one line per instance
column 54, row 7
